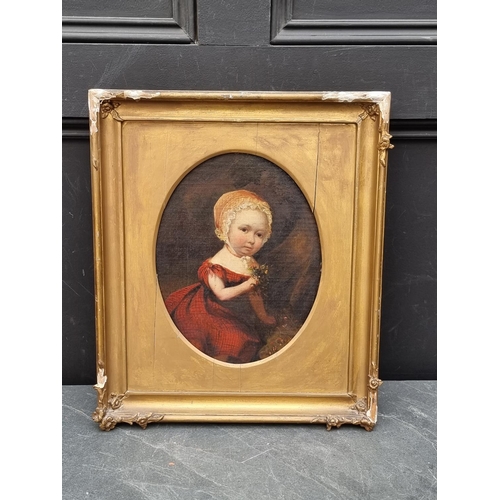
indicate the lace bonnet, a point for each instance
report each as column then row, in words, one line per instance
column 229, row 204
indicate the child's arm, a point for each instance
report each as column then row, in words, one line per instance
column 230, row 292
column 223, row 293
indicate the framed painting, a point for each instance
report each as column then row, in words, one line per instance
column 238, row 241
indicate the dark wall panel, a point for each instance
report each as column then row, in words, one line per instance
column 384, row 22
column 366, row 9
column 234, row 23
column 409, row 297
column 118, row 8
column 78, row 305
column 163, row 21
column 408, row 72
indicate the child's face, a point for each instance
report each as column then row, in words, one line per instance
column 248, row 232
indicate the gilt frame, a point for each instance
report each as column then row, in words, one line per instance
column 334, row 146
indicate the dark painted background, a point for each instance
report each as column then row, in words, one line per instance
column 265, row 45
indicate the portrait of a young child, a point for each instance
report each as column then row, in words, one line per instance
column 238, row 258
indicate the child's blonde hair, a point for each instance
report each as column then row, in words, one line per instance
column 229, row 204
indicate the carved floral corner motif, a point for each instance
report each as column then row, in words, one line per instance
column 333, row 421
column 108, row 107
column 374, row 383
column 109, row 421
column 360, row 405
column 371, row 111
column 383, row 145
column 105, row 414
column 385, row 141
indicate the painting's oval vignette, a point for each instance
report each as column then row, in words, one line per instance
column 238, row 258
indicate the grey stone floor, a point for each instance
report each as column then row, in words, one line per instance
column 395, row 461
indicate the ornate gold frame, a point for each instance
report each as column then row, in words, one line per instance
column 336, row 155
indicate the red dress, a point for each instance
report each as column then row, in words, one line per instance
column 221, row 329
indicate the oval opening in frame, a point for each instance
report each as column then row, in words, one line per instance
column 238, row 258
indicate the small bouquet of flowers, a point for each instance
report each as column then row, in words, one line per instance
column 260, row 273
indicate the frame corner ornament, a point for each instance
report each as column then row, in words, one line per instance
column 105, row 413
column 383, row 145
column 373, row 381
column 371, row 110
column 108, row 107
column 360, row 405
column 336, row 421
column 110, row 420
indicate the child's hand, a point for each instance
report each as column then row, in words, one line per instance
column 252, row 283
